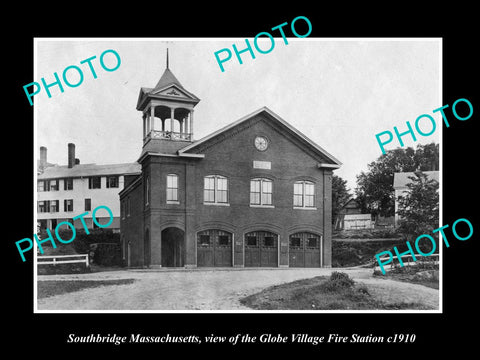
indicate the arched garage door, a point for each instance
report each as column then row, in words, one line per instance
column 305, row 250
column 261, row 249
column 214, row 248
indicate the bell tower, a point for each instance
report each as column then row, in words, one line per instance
column 167, row 114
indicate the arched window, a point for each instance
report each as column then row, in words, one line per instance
column 215, row 189
column 304, row 194
column 172, row 188
column 261, row 191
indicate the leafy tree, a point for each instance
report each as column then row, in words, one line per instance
column 375, row 191
column 419, row 207
column 427, row 157
column 340, row 194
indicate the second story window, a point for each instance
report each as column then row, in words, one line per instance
column 261, row 192
column 43, row 185
column 94, row 182
column 44, row 206
column 54, row 206
column 54, row 185
column 112, row 181
column 68, row 184
column 172, row 188
column 68, row 205
column 304, row 194
column 215, row 189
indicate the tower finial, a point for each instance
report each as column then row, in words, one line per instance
column 167, row 58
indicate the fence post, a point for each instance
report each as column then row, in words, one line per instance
column 86, row 260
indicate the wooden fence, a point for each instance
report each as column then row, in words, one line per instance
column 431, row 259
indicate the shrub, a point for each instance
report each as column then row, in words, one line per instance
column 341, row 278
column 102, row 245
column 83, row 240
column 107, row 254
column 338, row 281
column 345, row 255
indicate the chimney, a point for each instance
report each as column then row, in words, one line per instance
column 71, row 155
column 43, row 157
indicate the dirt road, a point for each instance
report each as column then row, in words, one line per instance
column 207, row 289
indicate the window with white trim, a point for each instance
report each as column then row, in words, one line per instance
column 215, row 189
column 172, row 188
column 304, row 194
column 261, row 191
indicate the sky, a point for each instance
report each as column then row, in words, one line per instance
column 338, row 92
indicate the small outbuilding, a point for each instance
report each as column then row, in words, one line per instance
column 350, row 217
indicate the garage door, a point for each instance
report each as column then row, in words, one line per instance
column 261, row 249
column 214, row 248
column 304, row 250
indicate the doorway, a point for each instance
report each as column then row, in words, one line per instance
column 173, row 247
column 261, row 249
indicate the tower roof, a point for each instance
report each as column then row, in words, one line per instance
column 167, row 79
column 165, row 90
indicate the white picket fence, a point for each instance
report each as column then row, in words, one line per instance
column 62, row 259
column 431, row 259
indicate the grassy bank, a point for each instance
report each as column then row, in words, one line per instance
column 337, row 292
column 346, row 252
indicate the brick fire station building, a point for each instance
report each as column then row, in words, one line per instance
column 254, row 193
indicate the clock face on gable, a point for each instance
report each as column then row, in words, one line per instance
column 261, row 143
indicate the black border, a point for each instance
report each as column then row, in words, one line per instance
column 434, row 332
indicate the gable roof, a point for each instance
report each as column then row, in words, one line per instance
column 83, row 170
column 401, row 179
column 333, row 162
